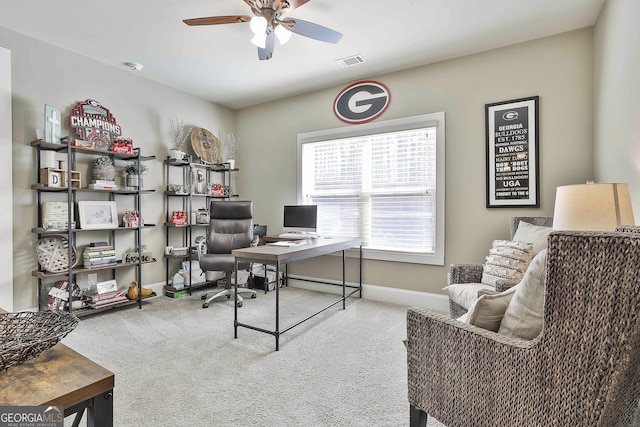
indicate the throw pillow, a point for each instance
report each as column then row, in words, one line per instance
column 465, row 294
column 534, row 234
column 524, row 315
column 507, row 261
column 488, row 310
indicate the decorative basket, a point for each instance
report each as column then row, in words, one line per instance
column 53, row 253
column 105, row 172
column 24, row 335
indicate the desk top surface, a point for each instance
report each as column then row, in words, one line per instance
column 315, row 247
column 58, row 376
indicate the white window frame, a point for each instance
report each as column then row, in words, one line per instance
column 436, row 120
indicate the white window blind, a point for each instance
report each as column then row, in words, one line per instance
column 381, row 187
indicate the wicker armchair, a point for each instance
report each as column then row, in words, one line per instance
column 582, row 370
column 472, row 273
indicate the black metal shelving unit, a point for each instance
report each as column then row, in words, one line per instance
column 72, row 188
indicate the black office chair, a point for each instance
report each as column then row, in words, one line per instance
column 230, row 227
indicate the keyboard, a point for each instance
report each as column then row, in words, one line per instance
column 298, row 235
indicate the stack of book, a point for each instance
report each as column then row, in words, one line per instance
column 106, row 300
column 99, row 254
column 103, row 184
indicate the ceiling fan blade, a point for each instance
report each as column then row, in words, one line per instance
column 215, row 20
column 294, row 4
column 311, row 30
column 266, row 53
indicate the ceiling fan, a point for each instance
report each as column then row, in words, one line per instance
column 267, row 24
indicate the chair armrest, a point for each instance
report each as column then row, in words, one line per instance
column 451, row 363
column 465, row 273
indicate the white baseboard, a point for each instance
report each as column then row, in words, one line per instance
column 435, row 302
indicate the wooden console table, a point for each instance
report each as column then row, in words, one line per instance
column 61, row 377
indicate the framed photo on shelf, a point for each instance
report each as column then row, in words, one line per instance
column 97, row 215
column 512, row 153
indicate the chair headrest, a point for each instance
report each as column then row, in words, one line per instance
column 231, row 210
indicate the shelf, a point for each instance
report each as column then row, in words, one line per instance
column 40, row 230
column 63, row 147
column 218, row 167
column 79, row 270
column 41, row 187
column 87, row 311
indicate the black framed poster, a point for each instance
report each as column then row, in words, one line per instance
column 512, row 153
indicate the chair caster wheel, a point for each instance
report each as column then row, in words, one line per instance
column 228, row 296
column 203, row 297
column 239, row 304
column 205, row 305
column 253, row 295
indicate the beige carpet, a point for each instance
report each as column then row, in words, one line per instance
column 177, row 364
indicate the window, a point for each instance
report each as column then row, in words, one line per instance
column 383, row 182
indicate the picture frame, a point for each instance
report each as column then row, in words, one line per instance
column 512, row 147
column 97, row 215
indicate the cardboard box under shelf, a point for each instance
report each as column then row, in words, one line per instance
column 175, row 294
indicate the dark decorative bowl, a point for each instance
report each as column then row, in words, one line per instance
column 24, row 335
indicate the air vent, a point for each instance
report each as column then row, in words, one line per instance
column 350, row 61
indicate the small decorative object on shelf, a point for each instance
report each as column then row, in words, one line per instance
column 179, row 136
column 26, row 334
column 229, row 145
column 135, row 257
column 53, row 253
column 95, row 125
column 103, row 169
column 54, row 177
column 131, row 219
column 122, row 145
column 55, row 216
column 179, row 218
column 133, row 174
column 97, row 215
column 217, row 190
column 52, row 120
column 202, row 216
column 205, row 145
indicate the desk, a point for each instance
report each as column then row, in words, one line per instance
column 283, row 255
column 61, row 377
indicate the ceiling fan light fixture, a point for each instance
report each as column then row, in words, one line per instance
column 258, row 24
column 283, row 34
column 260, row 40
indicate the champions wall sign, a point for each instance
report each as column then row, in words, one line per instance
column 95, row 125
column 361, row 102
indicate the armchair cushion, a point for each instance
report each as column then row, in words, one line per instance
column 534, row 234
column 465, row 294
column 488, row 310
column 523, row 317
column 507, row 261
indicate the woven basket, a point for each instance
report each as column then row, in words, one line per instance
column 24, row 335
column 106, row 172
column 53, row 253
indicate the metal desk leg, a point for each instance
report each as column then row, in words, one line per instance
column 235, row 301
column 100, row 414
column 277, row 331
column 344, row 282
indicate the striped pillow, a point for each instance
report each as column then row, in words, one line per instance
column 507, row 261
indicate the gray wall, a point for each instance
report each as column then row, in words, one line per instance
column 6, row 218
column 617, row 96
column 44, row 74
column 558, row 69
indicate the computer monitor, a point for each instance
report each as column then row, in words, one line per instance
column 300, row 218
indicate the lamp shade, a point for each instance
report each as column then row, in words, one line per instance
column 590, row 206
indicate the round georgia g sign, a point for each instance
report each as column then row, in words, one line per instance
column 361, row 102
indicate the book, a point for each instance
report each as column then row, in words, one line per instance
column 102, row 187
column 94, row 298
column 96, row 244
column 98, row 254
column 103, row 182
column 98, row 248
column 99, row 261
column 109, row 303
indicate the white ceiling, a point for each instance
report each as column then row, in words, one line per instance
column 220, row 64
